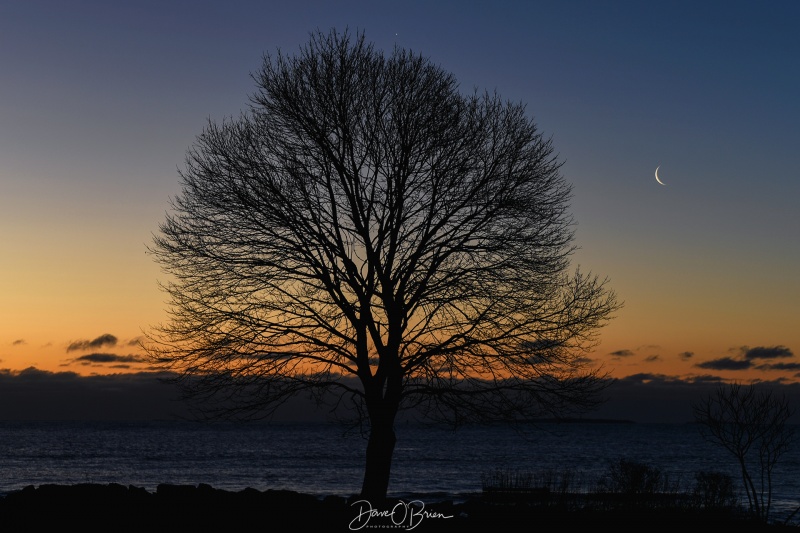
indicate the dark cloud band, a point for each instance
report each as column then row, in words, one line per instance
column 725, row 363
column 109, row 358
column 622, row 353
column 105, row 340
column 767, row 352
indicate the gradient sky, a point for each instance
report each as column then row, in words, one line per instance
column 100, row 100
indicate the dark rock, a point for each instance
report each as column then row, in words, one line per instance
column 94, row 507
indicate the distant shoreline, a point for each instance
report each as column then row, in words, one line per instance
column 580, row 421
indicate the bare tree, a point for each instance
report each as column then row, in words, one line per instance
column 368, row 232
column 751, row 423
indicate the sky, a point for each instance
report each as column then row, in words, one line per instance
column 99, row 102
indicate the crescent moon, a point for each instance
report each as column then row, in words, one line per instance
column 658, row 180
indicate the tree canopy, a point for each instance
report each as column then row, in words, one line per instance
column 368, row 232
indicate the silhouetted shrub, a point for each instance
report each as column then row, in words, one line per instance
column 714, row 490
column 506, row 480
column 562, row 481
column 550, row 481
column 751, row 422
column 631, row 483
column 631, row 477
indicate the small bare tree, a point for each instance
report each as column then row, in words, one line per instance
column 751, row 423
column 368, row 230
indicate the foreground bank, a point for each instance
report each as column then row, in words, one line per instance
column 96, row 507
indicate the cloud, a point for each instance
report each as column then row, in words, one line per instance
column 766, row 352
column 622, row 353
column 652, row 397
column 705, row 378
column 686, row 355
column 664, row 379
column 135, row 341
column 779, row 366
column 109, row 358
column 18, row 342
column 725, row 363
column 652, row 358
column 34, row 394
column 748, row 358
column 103, row 340
column 645, row 377
column 31, row 374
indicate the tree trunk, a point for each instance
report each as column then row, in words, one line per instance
column 380, row 449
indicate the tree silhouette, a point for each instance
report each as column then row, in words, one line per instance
column 749, row 422
column 366, row 232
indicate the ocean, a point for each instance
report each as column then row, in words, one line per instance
column 324, row 459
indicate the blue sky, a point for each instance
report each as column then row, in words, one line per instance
column 100, row 100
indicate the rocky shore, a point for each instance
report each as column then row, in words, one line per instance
column 113, row 507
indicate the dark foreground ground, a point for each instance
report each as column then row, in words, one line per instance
column 94, row 507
